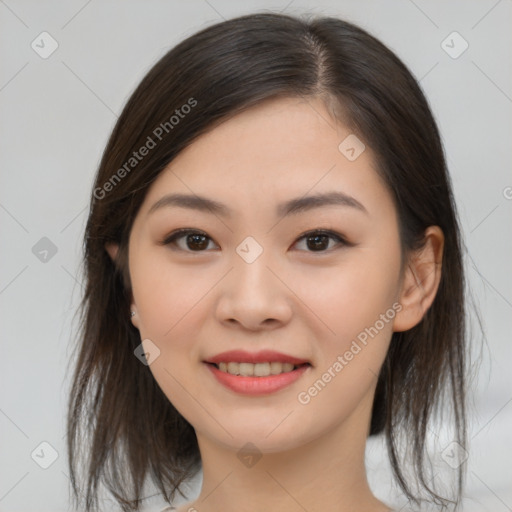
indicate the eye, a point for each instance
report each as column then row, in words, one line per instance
column 195, row 240
column 318, row 240
column 198, row 241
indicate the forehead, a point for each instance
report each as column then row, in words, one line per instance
column 279, row 149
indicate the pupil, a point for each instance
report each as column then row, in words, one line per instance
column 317, row 244
column 196, row 241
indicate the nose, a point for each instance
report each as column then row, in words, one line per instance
column 254, row 296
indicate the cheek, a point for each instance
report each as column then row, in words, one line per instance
column 170, row 308
column 351, row 297
column 357, row 306
column 166, row 295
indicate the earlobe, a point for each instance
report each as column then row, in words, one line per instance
column 421, row 281
column 112, row 249
column 133, row 316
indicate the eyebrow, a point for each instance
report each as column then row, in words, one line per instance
column 290, row 207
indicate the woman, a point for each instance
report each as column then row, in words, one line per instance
column 274, row 273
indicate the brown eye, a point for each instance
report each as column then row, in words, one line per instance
column 318, row 241
column 194, row 241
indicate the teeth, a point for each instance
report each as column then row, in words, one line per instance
column 256, row 370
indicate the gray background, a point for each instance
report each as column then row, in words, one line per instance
column 56, row 114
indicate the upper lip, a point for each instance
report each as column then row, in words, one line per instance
column 263, row 356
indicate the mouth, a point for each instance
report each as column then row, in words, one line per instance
column 256, row 379
column 256, row 373
column 264, row 369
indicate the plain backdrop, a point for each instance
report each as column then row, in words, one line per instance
column 56, row 113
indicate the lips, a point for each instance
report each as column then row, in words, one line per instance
column 257, row 373
column 263, row 356
column 257, row 385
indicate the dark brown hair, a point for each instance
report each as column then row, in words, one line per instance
column 121, row 427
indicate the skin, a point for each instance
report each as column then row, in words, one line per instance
column 195, row 303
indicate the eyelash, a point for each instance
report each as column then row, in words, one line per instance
column 180, row 233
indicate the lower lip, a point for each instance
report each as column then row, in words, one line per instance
column 257, row 385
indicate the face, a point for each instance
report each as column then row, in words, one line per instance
column 318, row 283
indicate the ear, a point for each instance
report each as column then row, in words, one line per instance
column 421, row 280
column 112, row 249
